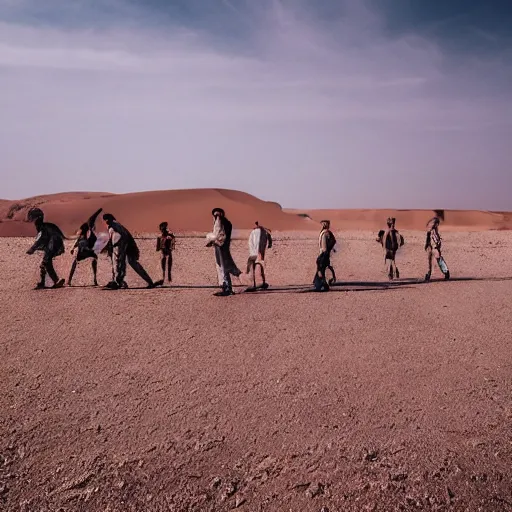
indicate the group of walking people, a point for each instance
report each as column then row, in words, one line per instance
column 121, row 247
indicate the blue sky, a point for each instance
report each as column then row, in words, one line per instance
column 343, row 104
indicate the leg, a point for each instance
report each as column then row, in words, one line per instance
column 169, row 268
column 442, row 264
column 57, row 283
column 134, row 263
column 72, row 271
column 120, row 264
column 322, row 263
column 42, row 273
column 391, row 275
column 224, row 276
column 264, row 284
column 394, row 266
column 219, row 266
column 253, row 271
column 163, row 262
column 429, row 258
column 333, row 278
column 94, row 265
column 48, row 260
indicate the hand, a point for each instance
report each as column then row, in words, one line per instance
column 30, row 251
column 209, row 244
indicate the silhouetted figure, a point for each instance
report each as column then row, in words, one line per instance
column 326, row 242
column 124, row 248
column 49, row 240
column 165, row 244
column 84, row 246
column 220, row 238
column 391, row 240
column 433, row 248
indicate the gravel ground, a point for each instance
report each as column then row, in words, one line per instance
column 375, row 396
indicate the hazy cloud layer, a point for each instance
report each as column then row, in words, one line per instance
column 312, row 107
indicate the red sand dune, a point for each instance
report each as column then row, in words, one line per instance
column 189, row 211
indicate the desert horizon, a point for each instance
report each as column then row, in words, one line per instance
column 188, row 211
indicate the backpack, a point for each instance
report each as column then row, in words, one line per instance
column 331, row 241
column 394, row 240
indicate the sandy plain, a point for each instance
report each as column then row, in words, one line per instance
column 375, row 396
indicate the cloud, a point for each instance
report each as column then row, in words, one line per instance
column 300, row 107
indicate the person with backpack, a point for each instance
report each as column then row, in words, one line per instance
column 433, row 248
column 50, row 241
column 391, row 240
column 326, row 242
column 220, row 239
column 165, row 244
column 259, row 240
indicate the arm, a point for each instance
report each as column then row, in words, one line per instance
column 218, row 235
column 158, row 244
column 92, row 218
column 38, row 244
column 427, row 241
column 323, row 243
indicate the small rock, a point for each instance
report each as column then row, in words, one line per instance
column 4, row 490
column 120, row 484
column 398, row 477
column 229, row 491
column 314, row 490
column 451, row 494
column 324, row 509
column 239, row 501
column 371, row 456
column 266, row 463
column 141, row 463
column 215, row 483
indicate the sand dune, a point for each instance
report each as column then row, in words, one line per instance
column 464, row 220
column 189, row 211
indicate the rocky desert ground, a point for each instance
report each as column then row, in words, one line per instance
column 375, row 396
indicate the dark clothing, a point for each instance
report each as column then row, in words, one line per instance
column 323, row 262
column 224, row 267
column 46, row 267
column 49, row 240
column 133, row 261
column 84, row 247
column 224, row 254
column 125, row 248
column 392, row 241
column 126, row 240
column 165, row 243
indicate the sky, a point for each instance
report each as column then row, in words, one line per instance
column 309, row 103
